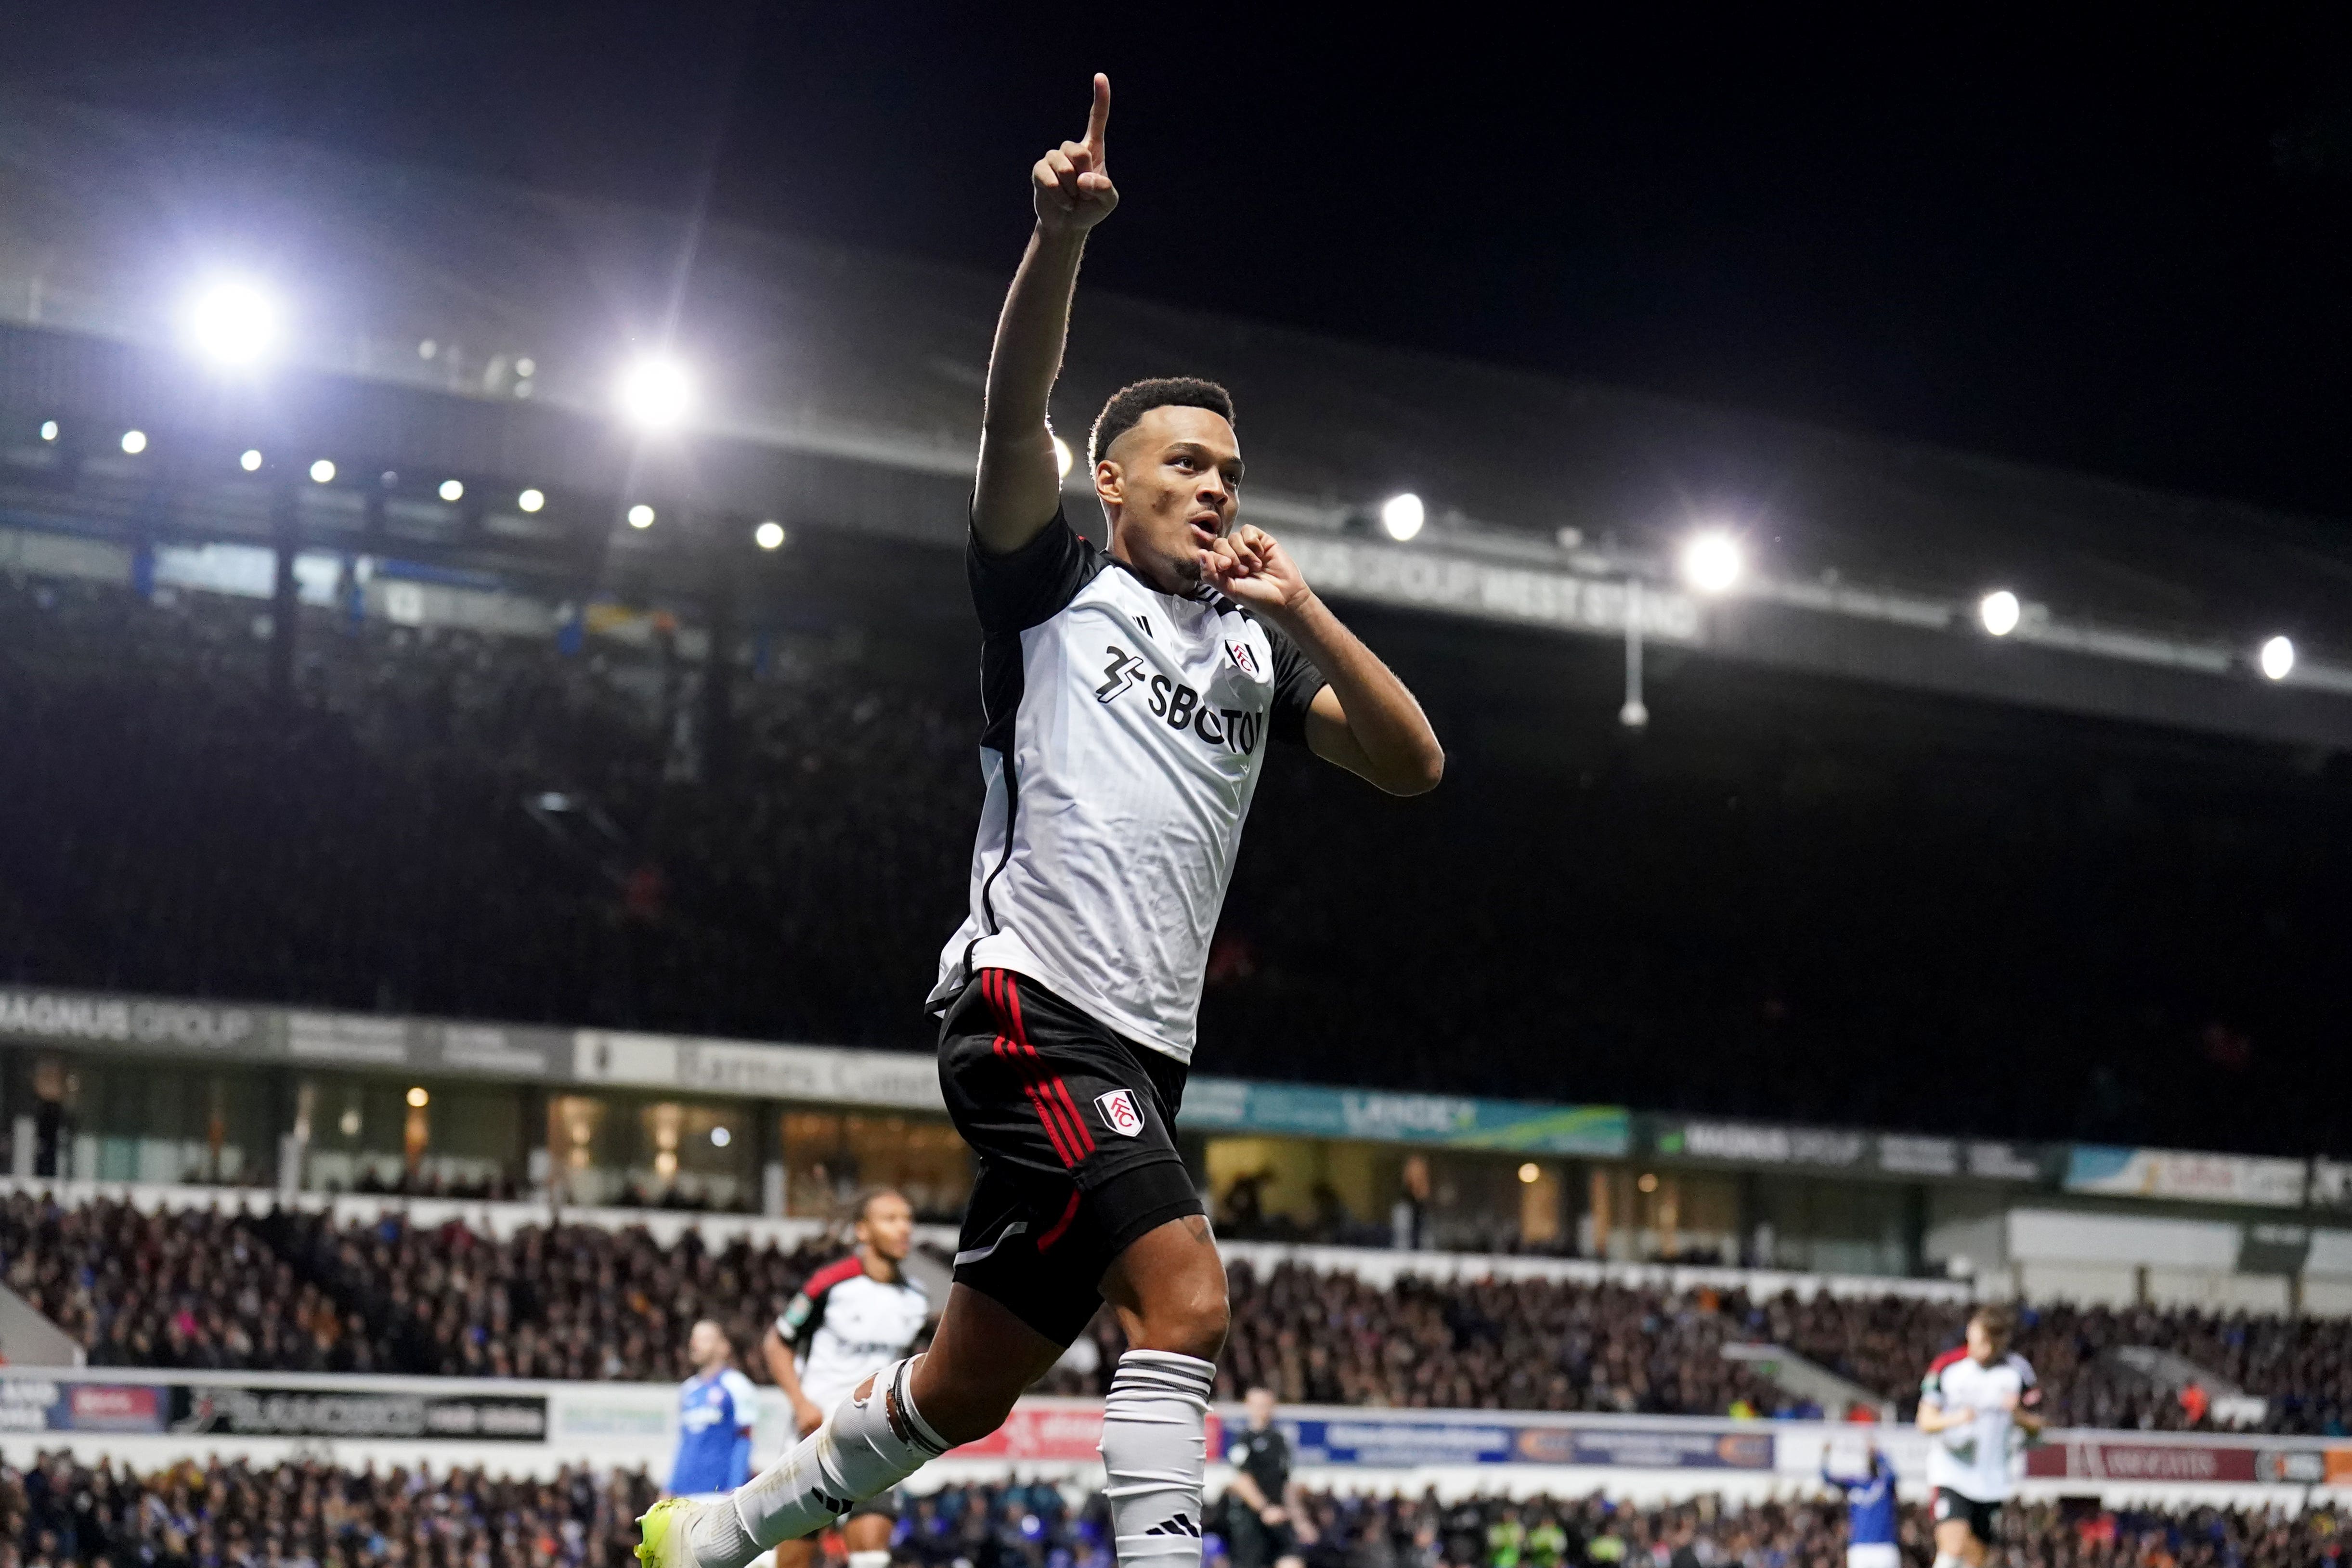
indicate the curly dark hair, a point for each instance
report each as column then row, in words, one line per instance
column 1131, row 402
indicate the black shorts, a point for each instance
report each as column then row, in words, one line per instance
column 1984, row 1518
column 1256, row 1544
column 1075, row 1132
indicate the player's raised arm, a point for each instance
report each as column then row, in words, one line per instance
column 1019, row 485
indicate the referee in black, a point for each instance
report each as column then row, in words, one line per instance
column 1263, row 1508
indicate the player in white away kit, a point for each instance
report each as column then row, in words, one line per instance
column 852, row 1318
column 1129, row 698
column 1971, row 1401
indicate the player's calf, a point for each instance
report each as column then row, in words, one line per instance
column 871, row 1442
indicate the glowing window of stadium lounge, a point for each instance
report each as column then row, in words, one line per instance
column 365, row 1135
column 119, row 1120
column 829, row 1156
column 637, row 1150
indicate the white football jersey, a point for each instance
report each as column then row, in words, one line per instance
column 1973, row 1460
column 846, row 1324
column 1125, row 731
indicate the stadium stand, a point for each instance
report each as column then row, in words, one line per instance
column 367, row 845
column 59, row 1511
column 293, row 1290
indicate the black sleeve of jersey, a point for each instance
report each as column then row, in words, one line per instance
column 1033, row 584
column 1295, row 682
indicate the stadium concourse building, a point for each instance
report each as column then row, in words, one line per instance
column 410, row 422
column 133, row 1089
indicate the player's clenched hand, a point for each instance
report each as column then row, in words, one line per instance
column 1071, row 184
column 806, row 1416
column 1251, row 567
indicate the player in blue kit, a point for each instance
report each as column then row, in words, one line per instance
column 716, row 1409
column 1872, row 1525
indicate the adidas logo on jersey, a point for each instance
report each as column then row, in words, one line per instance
column 1178, row 1525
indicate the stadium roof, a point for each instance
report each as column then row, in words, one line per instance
column 842, row 390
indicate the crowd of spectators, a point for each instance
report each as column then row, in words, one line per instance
column 572, row 1301
column 1542, row 1531
column 1334, row 1338
column 59, row 1511
column 185, row 1287
column 1722, row 921
column 296, row 1290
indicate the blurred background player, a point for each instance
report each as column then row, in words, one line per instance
column 1971, row 1401
column 852, row 1318
column 1266, row 1525
column 716, row 1409
column 1871, row 1532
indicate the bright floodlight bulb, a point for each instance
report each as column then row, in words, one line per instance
column 769, row 535
column 233, row 323
column 134, row 442
column 641, row 515
column 2278, row 658
column 1998, row 611
column 453, row 489
column 250, row 460
column 531, row 501
column 656, row 393
column 1712, row 561
column 1062, row 458
column 322, row 471
column 1402, row 516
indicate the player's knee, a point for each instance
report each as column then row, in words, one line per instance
column 1190, row 1321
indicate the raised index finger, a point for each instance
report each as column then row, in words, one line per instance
column 1098, row 117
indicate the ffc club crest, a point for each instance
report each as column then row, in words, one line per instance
column 1243, row 656
column 1119, row 1114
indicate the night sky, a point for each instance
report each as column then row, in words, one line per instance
column 2127, row 251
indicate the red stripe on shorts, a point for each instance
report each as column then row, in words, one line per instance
column 1078, row 1124
column 1069, row 1139
column 1060, row 1225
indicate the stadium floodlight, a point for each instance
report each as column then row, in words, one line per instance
column 2278, row 658
column 1530, row 1173
column 531, row 501
column 134, row 442
column 720, row 1138
column 1402, row 516
column 769, row 535
column 233, row 322
column 48, row 430
column 250, row 460
column 641, row 515
column 1712, row 561
column 1062, row 457
column 322, row 471
column 1999, row 612
column 418, row 1098
column 656, row 393
column 453, row 489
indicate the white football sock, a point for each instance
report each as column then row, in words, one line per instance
column 870, row 1559
column 1155, row 1451
column 865, row 1448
